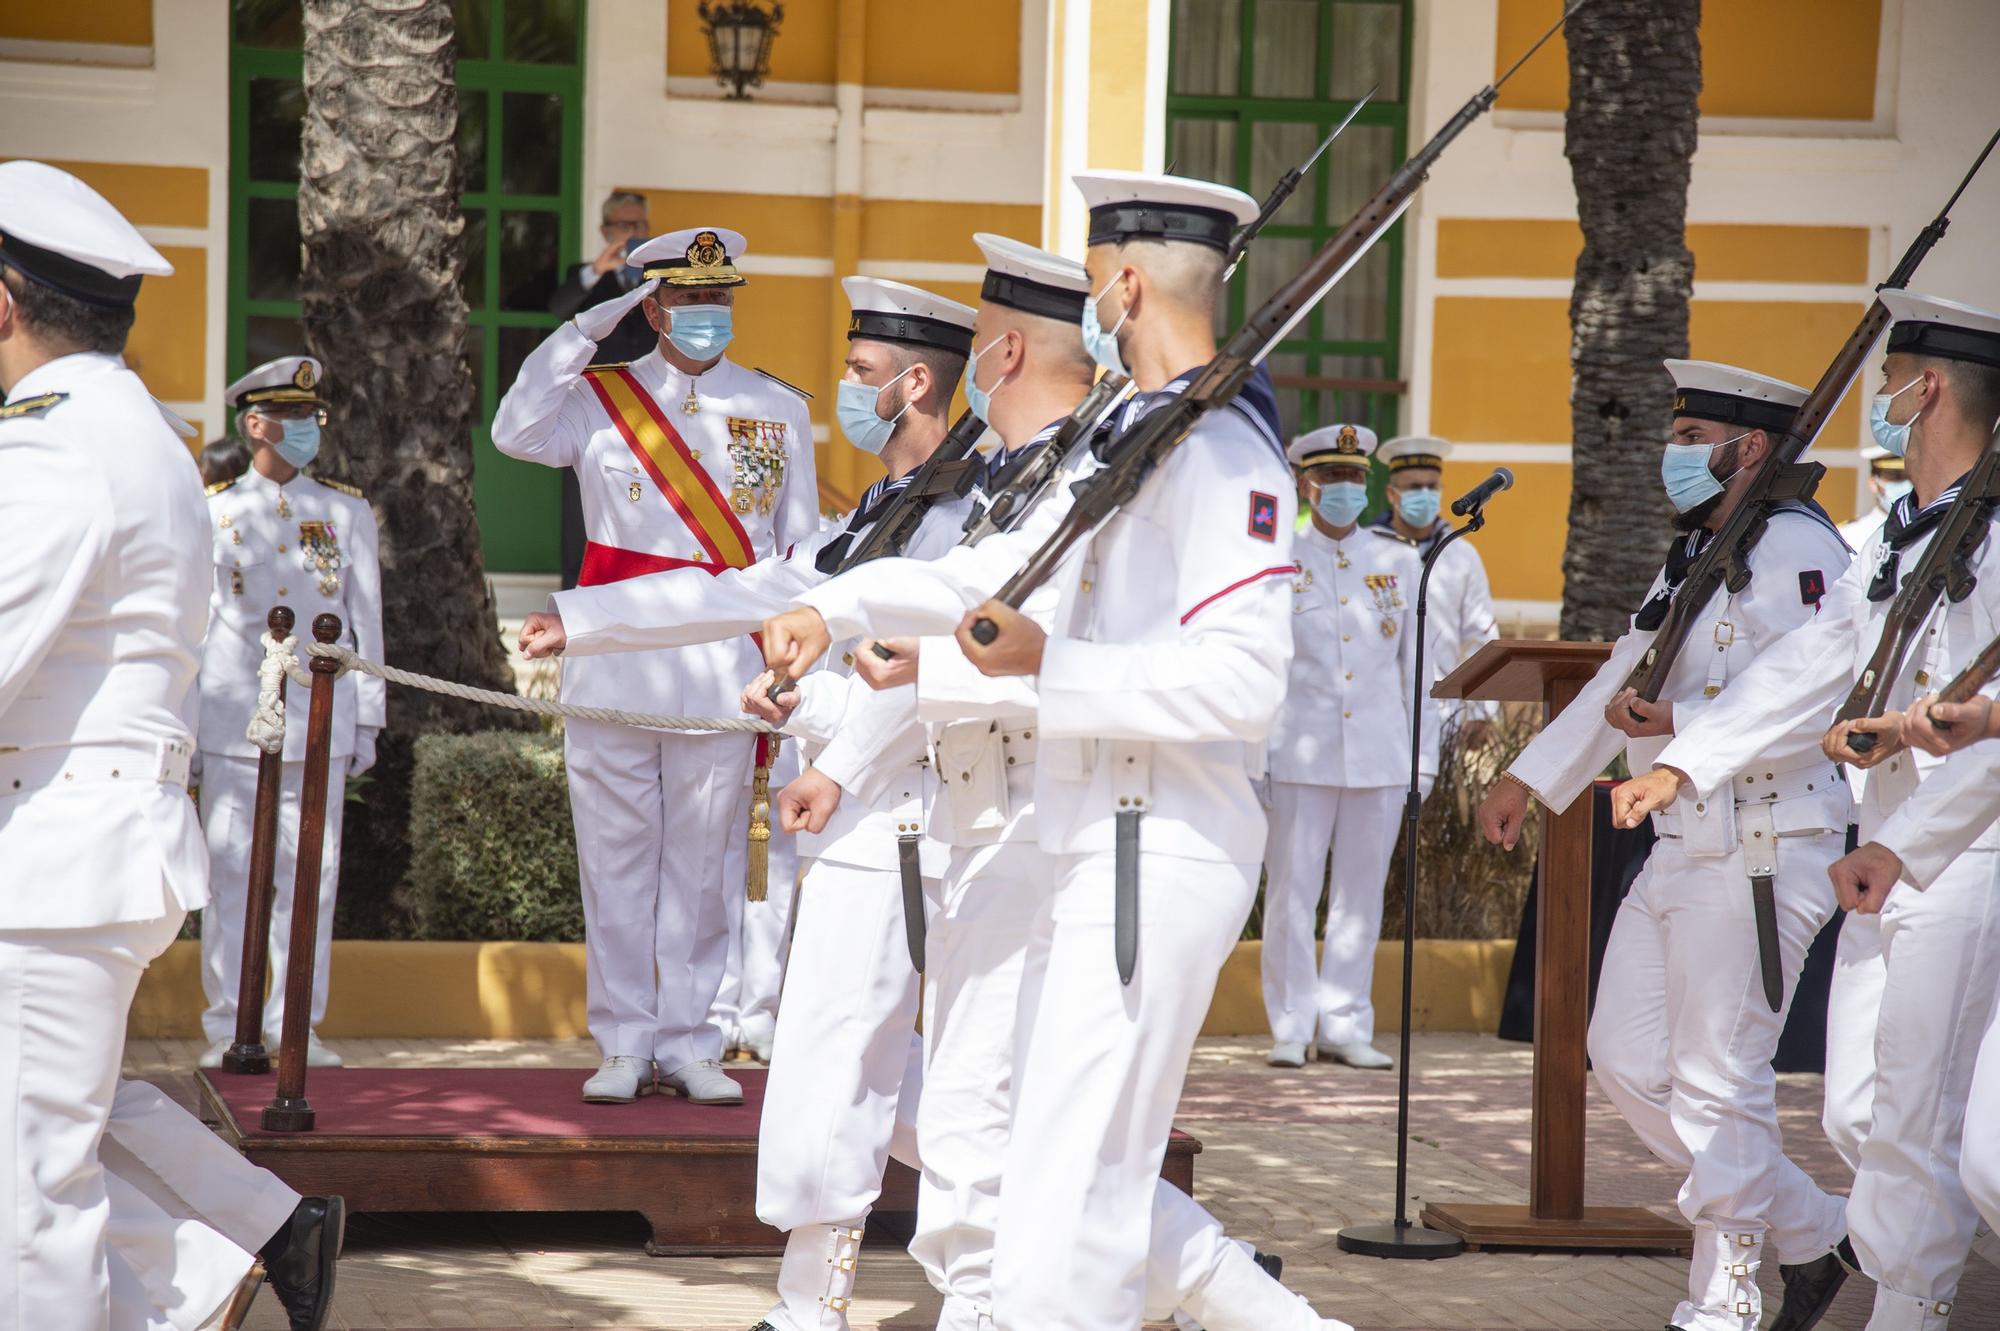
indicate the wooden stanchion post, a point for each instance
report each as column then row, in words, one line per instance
column 248, row 1054
column 289, row 1110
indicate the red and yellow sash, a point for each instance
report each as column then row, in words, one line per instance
column 671, row 463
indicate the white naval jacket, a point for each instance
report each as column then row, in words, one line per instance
column 313, row 547
column 1164, row 673
column 553, row 416
column 1793, row 689
column 1346, row 716
column 1718, row 672
column 1459, row 618
column 1948, row 814
column 103, row 602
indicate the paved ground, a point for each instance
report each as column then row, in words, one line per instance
column 1289, row 1159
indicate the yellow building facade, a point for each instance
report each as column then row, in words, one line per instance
column 890, row 130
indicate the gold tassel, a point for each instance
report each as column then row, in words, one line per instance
column 757, row 882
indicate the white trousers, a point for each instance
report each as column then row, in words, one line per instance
column 228, row 814
column 1979, row 1163
column 1682, row 1039
column 64, row 995
column 746, row 1006
column 1913, row 990
column 654, row 813
column 1098, row 1076
column 977, row 954
column 1335, row 999
column 188, row 1214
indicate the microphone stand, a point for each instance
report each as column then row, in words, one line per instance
column 1398, row 1237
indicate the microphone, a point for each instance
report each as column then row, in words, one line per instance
column 1475, row 498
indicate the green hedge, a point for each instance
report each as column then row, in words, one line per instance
column 493, row 854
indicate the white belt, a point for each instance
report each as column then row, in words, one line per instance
column 165, row 762
column 1018, row 746
column 1758, row 785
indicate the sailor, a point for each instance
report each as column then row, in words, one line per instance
column 685, row 460
column 1154, row 694
column 1339, row 757
column 1887, row 482
column 1459, row 619
column 103, row 603
column 279, row 536
column 1913, row 985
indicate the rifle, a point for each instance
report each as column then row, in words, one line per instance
column 1969, row 682
column 1038, row 471
column 1784, row 478
column 1133, row 456
column 1945, row 570
column 1281, row 192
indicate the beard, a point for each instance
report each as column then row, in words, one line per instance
column 1699, row 515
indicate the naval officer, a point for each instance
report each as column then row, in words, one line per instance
column 279, row 536
column 686, row 460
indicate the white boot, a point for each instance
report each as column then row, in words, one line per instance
column 318, row 1055
column 212, row 1056
column 1286, row 1054
column 816, row 1278
column 1722, row 1282
column 1239, row 1295
column 1986, row 1243
column 703, row 1083
column 1358, row 1054
column 619, row 1080
column 1907, row 1312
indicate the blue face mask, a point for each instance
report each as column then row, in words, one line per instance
column 700, row 331
column 980, row 400
column 1100, row 343
column 1895, row 438
column 1341, row 502
column 1684, row 471
column 300, row 443
column 854, row 407
column 1894, row 490
column 1419, row 507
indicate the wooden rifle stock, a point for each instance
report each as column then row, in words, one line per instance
column 1969, row 681
column 1726, row 561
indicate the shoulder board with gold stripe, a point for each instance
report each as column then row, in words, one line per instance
column 1391, row 534
column 782, row 384
column 601, row 366
column 341, row 486
column 30, row 406
column 220, row 486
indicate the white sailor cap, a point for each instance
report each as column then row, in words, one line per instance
column 1031, row 280
column 60, row 233
column 695, row 256
column 286, row 379
column 1353, row 444
column 1415, row 450
column 1879, row 458
column 1931, row 326
column 1711, row 391
column 885, row 311
column 1146, row 205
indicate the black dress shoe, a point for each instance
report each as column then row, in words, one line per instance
column 301, row 1256
column 1810, row 1288
column 1273, row 1264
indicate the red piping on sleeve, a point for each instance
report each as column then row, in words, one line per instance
column 1286, row 569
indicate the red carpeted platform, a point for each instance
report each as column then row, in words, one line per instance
column 520, row 1139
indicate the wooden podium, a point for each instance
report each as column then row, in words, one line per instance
column 1553, row 673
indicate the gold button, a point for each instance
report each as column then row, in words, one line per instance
column 1086, row 584
column 281, row 591
column 698, row 556
column 281, row 547
column 1123, row 802
column 847, row 658
column 695, row 453
column 1350, row 674
column 1343, row 637
column 1343, row 600
column 1347, row 714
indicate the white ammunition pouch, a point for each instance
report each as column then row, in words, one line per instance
column 1758, row 802
column 975, row 760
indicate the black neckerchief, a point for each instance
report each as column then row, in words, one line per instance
column 1425, row 543
column 878, row 497
column 1905, row 523
column 1256, row 402
column 1680, row 558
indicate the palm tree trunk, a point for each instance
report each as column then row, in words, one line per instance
column 1634, row 76
column 379, row 186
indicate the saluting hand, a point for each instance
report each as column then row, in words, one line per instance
column 1632, row 801
column 1970, row 722
column 1863, row 880
column 757, row 700
column 794, row 640
column 1502, row 813
column 808, row 802
column 542, row 635
column 1016, row 650
column 898, row 669
column 1888, row 739
column 1637, row 717
column 597, row 322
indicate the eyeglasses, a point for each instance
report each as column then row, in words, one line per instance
column 301, row 411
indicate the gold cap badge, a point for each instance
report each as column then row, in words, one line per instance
column 303, row 376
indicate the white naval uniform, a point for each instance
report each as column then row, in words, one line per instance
column 102, row 609
column 656, row 811
column 1459, row 617
column 1160, row 686
column 753, row 975
column 1857, row 534
column 1682, row 1036
column 268, row 541
column 1339, row 765
column 1912, row 987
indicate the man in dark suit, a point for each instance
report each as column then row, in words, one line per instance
column 607, row 277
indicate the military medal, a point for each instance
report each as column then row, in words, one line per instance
column 236, row 581
column 633, row 491
column 235, row 537
column 319, row 552
column 225, row 522
column 284, row 505
column 693, row 404
column 1341, row 559
column 1388, row 627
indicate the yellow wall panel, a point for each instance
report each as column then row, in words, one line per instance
column 798, row 225
column 927, row 231
column 1792, row 340
column 111, row 22
column 171, row 333
column 780, row 324
column 1117, row 134
column 1829, row 46
column 1500, row 369
column 147, row 195
column 1547, row 248
column 1523, row 547
column 957, row 47
column 802, row 52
